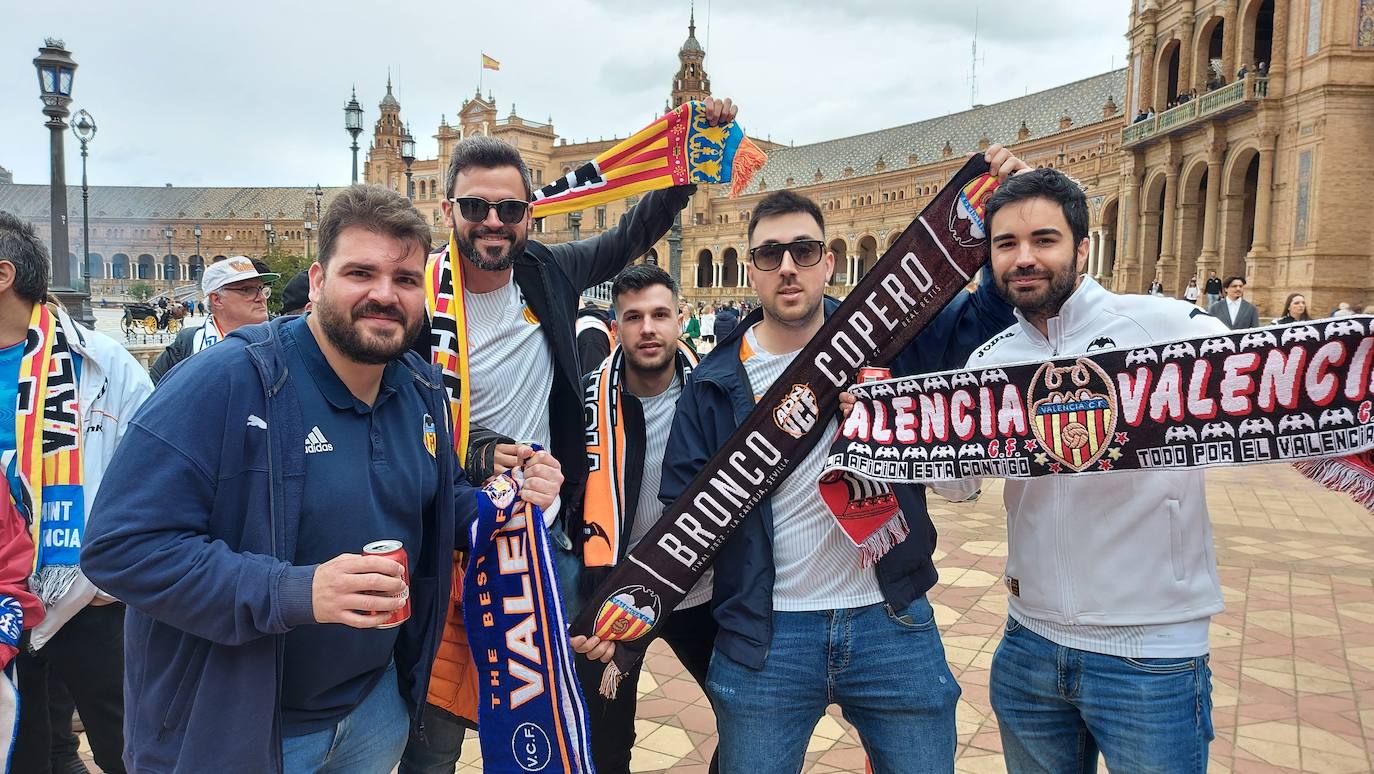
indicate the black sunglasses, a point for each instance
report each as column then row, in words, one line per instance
column 804, row 252
column 474, row 209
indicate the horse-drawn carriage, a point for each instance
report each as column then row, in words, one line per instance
column 151, row 319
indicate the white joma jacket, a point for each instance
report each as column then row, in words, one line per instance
column 113, row 385
column 1131, row 548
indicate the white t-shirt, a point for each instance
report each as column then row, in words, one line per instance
column 510, row 365
column 1191, row 293
column 658, row 423
column 817, row 566
column 1233, row 307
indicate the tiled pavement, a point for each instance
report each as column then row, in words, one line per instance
column 1292, row 656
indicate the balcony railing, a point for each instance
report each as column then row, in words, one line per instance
column 1212, row 104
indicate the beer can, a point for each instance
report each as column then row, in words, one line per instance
column 873, row 374
column 396, row 552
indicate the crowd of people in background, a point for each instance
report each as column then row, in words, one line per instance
column 1214, row 81
column 1225, row 299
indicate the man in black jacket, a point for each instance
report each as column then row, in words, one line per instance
column 521, row 299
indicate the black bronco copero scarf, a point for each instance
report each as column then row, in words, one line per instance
column 1296, row 393
column 931, row 262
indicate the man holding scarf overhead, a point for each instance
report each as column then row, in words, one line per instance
column 805, row 620
column 75, row 391
column 502, row 313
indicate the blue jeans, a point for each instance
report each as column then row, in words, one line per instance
column 1058, row 707
column 368, row 740
column 886, row 671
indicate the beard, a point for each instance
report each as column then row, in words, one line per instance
column 1043, row 303
column 650, row 364
column 342, row 329
column 793, row 314
column 494, row 258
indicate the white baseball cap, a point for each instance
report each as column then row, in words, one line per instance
column 230, row 270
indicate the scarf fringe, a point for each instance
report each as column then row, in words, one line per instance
column 1353, row 475
column 882, row 539
column 749, row 158
column 611, row 678
column 51, row 582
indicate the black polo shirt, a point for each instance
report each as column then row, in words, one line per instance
column 369, row 475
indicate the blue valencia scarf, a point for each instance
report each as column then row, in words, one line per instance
column 531, row 716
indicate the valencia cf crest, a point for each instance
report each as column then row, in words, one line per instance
column 966, row 222
column 1073, row 412
column 431, row 438
column 628, row 615
column 796, row 413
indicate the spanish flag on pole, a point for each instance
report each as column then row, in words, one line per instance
column 490, row 64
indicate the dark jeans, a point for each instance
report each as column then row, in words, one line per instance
column 438, row 752
column 87, row 655
column 691, row 633
column 66, row 746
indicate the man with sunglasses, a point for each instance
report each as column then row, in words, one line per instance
column 236, row 291
column 803, row 623
column 520, row 300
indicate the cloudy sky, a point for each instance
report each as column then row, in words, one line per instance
column 251, row 92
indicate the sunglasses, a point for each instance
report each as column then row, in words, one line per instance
column 474, row 209
column 804, row 252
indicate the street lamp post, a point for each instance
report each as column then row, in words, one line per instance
column 56, row 70
column 408, row 156
column 271, row 237
column 197, row 233
column 167, row 234
column 319, row 198
column 675, row 248
column 353, row 123
column 84, row 129
column 309, row 227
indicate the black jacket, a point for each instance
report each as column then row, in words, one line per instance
column 551, row 278
column 182, row 347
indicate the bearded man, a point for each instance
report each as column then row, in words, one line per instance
column 259, row 638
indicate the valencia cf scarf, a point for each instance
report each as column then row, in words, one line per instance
column 928, row 264
column 1296, row 393
column 531, row 715
column 680, row 148
column 448, row 336
column 47, row 456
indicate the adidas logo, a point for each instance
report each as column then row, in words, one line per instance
column 315, row 442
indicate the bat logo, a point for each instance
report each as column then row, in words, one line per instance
column 884, row 389
column 908, row 386
column 1138, row 356
column 1343, row 328
column 1179, row 433
column 1179, row 350
column 914, row 452
column 971, row 450
column 1213, row 346
column 1340, row 416
column 628, row 615
column 1102, row 342
column 942, row 452
column 1217, row 430
column 860, row 448
column 1299, row 333
column 1296, row 422
column 1073, row 411
column 887, row 453
column 1256, row 426
column 1257, row 339
column 994, row 375
column 936, row 382
column 964, row 379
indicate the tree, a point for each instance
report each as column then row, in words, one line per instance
column 288, row 265
column 141, row 291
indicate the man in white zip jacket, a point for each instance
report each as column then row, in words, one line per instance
column 80, row 637
column 1113, row 579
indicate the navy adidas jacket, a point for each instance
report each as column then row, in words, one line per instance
column 198, row 541
column 715, row 402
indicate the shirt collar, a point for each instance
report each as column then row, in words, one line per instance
column 394, row 376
